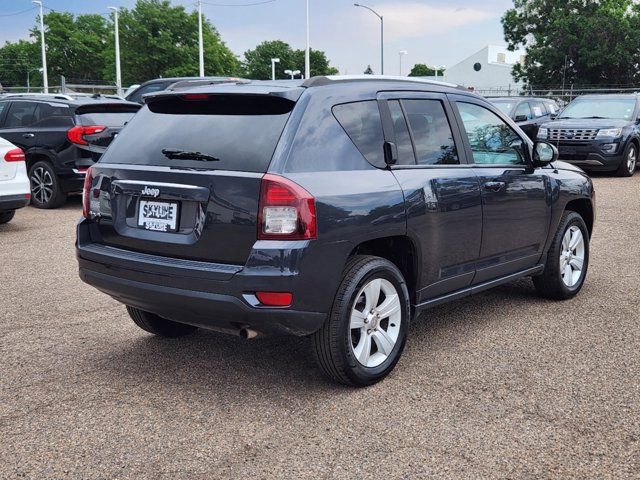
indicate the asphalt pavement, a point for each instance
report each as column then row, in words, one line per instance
column 500, row 385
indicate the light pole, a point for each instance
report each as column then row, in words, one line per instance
column 401, row 54
column 293, row 73
column 200, row 46
column 45, row 78
column 307, row 52
column 381, row 34
column 117, row 40
column 273, row 67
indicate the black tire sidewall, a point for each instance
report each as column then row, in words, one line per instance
column 377, row 268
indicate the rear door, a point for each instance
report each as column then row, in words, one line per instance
column 187, row 208
column 442, row 193
column 21, row 114
column 516, row 201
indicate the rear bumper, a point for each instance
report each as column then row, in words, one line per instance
column 204, row 294
column 13, row 202
column 72, row 182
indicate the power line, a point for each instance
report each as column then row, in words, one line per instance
column 17, row 13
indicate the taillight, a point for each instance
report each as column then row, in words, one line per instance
column 274, row 299
column 14, row 155
column 87, row 193
column 76, row 134
column 286, row 210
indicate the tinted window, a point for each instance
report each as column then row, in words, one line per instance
column 3, row 106
column 152, row 87
column 361, row 121
column 431, row 132
column 551, row 107
column 116, row 119
column 403, row 139
column 242, row 142
column 523, row 110
column 538, row 109
column 492, row 141
column 21, row 114
column 53, row 115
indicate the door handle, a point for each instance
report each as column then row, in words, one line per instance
column 28, row 135
column 494, row 186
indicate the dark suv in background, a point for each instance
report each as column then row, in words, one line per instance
column 528, row 112
column 61, row 136
column 159, row 84
column 334, row 207
column 598, row 132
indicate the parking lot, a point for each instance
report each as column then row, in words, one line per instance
column 502, row 384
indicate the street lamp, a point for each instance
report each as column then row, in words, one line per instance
column 200, row 46
column 117, row 40
column 307, row 51
column 293, row 73
column 273, row 67
column 45, row 78
column 401, row 54
column 381, row 34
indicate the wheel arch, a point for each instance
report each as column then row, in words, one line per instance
column 34, row 156
column 399, row 250
column 584, row 208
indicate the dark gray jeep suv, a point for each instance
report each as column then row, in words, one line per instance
column 334, row 207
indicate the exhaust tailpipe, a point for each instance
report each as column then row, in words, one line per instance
column 248, row 334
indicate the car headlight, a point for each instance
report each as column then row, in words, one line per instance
column 609, row 133
column 543, row 133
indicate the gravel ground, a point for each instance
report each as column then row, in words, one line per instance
column 502, row 384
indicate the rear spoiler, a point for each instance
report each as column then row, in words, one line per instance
column 108, row 107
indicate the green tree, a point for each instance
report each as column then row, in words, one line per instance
column 422, row 70
column 369, row 70
column 257, row 64
column 74, row 45
column 160, row 40
column 584, row 42
column 17, row 61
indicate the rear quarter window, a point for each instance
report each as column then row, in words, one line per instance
column 361, row 121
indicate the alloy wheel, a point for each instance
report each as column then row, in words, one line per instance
column 375, row 322
column 41, row 185
column 572, row 256
column 632, row 158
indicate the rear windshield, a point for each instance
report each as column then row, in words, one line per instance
column 241, row 142
column 107, row 119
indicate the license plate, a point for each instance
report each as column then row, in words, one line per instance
column 568, row 151
column 158, row 216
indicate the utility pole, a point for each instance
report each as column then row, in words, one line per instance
column 307, row 52
column 200, row 45
column 117, row 39
column 401, row 53
column 381, row 34
column 45, row 78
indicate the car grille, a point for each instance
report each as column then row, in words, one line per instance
column 572, row 134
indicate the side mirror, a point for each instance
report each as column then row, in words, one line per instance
column 521, row 118
column 543, row 154
column 390, row 153
column 638, row 121
column 553, row 116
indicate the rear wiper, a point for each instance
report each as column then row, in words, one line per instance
column 186, row 155
column 595, row 117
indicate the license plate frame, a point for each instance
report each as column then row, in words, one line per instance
column 158, row 215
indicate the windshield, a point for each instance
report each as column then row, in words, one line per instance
column 621, row 108
column 506, row 107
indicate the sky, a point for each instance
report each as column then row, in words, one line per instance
column 435, row 32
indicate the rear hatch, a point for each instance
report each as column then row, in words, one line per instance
column 199, row 199
column 97, row 124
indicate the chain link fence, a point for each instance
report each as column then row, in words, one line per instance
column 562, row 95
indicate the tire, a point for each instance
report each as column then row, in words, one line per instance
column 46, row 191
column 341, row 352
column 556, row 282
column 6, row 217
column 629, row 161
column 159, row 326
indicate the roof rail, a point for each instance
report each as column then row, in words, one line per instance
column 58, row 96
column 330, row 79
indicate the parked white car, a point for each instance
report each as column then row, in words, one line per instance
column 15, row 191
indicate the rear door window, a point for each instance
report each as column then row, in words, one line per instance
column 3, row 110
column 53, row 115
column 431, row 132
column 21, row 114
column 403, row 138
column 523, row 112
column 240, row 131
column 361, row 121
column 538, row 109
